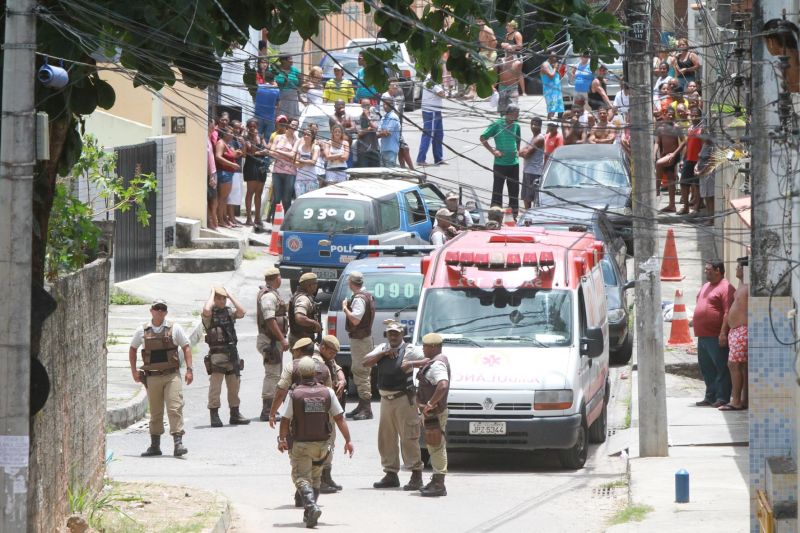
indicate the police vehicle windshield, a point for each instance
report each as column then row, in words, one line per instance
column 325, row 215
column 499, row 317
column 392, row 290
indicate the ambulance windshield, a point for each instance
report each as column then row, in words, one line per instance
column 498, row 317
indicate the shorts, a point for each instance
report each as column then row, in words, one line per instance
column 403, row 144
column 211, row 192
column 688, row 176
column 530, row 187
column 707, row 186
column 737, row 345
column 223, row 177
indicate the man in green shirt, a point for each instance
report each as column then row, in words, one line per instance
column 287, row 78
column 506, row 134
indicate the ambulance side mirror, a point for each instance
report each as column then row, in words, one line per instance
column 592, row 342
column 629, row 285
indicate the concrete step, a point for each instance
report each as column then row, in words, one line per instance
column 186, row 231
column 207, row 243
column 199, row 261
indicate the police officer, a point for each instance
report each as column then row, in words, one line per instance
column 271, row 341
column 359, row 310
column 399, row 417
column 161, row 375
column 308, row 412
column 304, row 316
column 328, row 349
column 222, row 361
column 434, row 384
column 495, row 217
column 290, row 375
column 443, row 231
column 461, row 217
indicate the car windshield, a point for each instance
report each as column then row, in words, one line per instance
column 327, row 215
column 609, row 277
column 498, row 317
column 361, row 46
column 585, row 173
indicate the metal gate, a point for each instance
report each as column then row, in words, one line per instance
column 135, row 245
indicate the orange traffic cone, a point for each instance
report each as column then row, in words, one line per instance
column 275, row 241
column 679, row 332
column 670, row 271
column 508, row 217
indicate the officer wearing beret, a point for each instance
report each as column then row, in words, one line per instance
column 304, row 314
column 271, row 342
column 495, row 217
column 399, row 420
column 308, row 412
column 434, row 385
column 359, row 311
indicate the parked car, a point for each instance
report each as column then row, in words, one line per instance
column 614, row 266
column 612, row 78
column 596, row 176
column 392, row 206
column 393, row 278
column 320, row 114
column 407, row 75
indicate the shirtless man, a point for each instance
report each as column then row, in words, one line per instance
column 734, row 334
column 509, row 72
column 668, row 146
column 487, row 50
column 603, row 132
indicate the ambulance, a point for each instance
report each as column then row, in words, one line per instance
column 522, row 312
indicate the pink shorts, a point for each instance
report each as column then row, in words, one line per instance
column 737, row 345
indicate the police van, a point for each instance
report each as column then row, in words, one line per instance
column 376, row 206
column 522, row 312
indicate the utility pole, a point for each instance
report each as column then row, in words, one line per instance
column 649, row 325
column 17, row 160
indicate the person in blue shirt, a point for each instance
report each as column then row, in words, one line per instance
column 581, row 75
column 389, row 133
column 267, row 98
column 362, row 91
column 288, row 81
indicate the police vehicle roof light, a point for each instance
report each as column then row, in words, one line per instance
column 529, row 259
column 512, row 239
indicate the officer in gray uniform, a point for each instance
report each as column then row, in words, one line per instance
column 304, row 315
column 359, row 311
column 308, row 412
column 271, row 342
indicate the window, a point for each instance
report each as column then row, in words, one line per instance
column 415, row 209
column 609, row 277
column 388, row 214
column 433, row 198
column 328, row 215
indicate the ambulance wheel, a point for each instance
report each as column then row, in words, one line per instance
column 574, row 458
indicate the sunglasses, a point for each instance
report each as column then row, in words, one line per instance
column 159, row 308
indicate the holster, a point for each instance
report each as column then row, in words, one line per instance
column 207, row 364
column 411, row 394
column 143, row 378
column 432, row 431
column 273, row 354
column 238, row 364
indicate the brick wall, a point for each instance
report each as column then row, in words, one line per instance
column 68, row 437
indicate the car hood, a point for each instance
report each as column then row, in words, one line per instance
column 613, row 197
column 508, row 368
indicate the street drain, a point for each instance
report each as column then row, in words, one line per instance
column 603, row 492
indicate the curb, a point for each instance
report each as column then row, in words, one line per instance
column 224, row 521
column 129, row 413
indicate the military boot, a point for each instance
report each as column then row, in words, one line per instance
column 327, row 484
column 415, row 483
column 356, row 410
column 389, row 481
column 435, row 487
column 428, row 485
column 155, row 446
column 366, row 411
column 313, row 512
column 180, row 449
column 237, row 419
column 266, row 406
column 215, row 420
column 298, row 500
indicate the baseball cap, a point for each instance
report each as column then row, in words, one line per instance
column 552, row 124
column 444, row 213
column 158, row 303
column 281, row 118
column 452, row 195
column 393, row 325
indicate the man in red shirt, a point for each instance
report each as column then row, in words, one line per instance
column 689, row 180
column 711, row 329
column 552, row 139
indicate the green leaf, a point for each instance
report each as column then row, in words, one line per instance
column 105, row 94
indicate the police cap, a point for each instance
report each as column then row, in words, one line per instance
column 220, row 291
column 158, row 303
column 331, row 341
column 433, row 339
column 452, row 195
column 302, row 343
column 308, row 276
column 393, row 325
column 271, row 272
column 444, row 213
column 356, row 277
column 306, row 366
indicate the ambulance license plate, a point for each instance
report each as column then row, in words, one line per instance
column 325, row 273
column 487, row 428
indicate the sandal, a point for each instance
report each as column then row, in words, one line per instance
column 729, row 407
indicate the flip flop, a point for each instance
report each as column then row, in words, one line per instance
column 729, row 407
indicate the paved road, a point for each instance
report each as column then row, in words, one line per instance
column 486, row 492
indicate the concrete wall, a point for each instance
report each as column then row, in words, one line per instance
column 112, row 130
column 68, row 436
column 164, row 218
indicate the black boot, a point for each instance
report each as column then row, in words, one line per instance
column 435, row 487
column 428, row 485
column 389, row 481
column 327, row 484
column 215, row 420
column 155, row 446
column 357, row 409
column 415, row 483
column 298, row 500
column 366, row 411
column 237, row 419
column 180, row 449
column 266, row 406
column 313, row 512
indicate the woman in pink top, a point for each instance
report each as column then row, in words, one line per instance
column 211, row 175
column 284, row 171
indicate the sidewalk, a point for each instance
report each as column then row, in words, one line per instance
column 185, row 294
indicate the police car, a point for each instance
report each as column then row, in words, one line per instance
column 376, row 206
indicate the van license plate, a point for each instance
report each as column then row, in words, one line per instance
column 325, row 273
column 487, row 428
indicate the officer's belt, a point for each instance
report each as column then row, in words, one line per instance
column 161, row 372
column 393, row 395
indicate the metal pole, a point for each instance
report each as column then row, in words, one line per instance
column 17, row 161
column 649, row 326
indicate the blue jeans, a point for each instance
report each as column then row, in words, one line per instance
column 389, row 159
column 283, row 189
column 713, row 361
column 432, row 128
column 265, row 128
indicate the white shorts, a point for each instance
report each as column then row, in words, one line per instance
column 707, row 186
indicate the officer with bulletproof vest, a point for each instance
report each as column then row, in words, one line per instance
column 222, row 361
column 359, row 312
column 271, row 342
column 461, row 217
column 434, row 384
column 290, row 376
column 160, row 374
column 443, row 230
column 399, row 420
column 307, row 413
column 495, row 218
column 304, row 312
